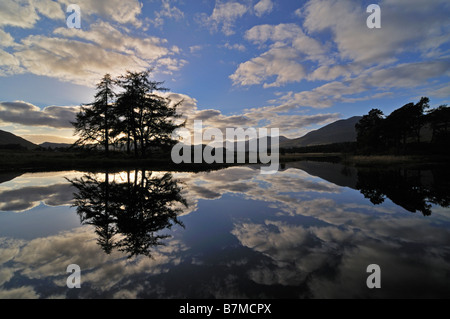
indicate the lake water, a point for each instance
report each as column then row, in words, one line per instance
column 309, row 231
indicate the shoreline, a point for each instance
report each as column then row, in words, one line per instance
column 36, row 161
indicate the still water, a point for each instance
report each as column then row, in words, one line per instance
column 309, row 231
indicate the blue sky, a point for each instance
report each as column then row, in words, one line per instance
column 293, row 65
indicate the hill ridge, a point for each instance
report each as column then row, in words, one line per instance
column 8, row 138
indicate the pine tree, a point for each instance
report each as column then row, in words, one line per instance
column 147, row 118
column 95, row 121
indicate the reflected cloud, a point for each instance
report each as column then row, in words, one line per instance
column 47, row 258
column 26, row 198
column 344, row 246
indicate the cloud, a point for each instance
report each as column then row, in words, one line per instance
column 50, row 9
column 225, row 14
column 6, row 40
column 28, row 114
column 410, row 74
column 195, row 48
column 26, row 13
column 19, row 14
column 236, row 46
column 406, row 27
column 290, row 35
column 84, row 56
column 290, row 48
column 9, row 64
column 46, row 259
column 290, row 125
column 123, row 12
column 299, row 253
column 377, row 81
column 332, row 43
column 22, row 199
column 280, row 62
column 263, row 7
column 167, row 11
column 23, row 292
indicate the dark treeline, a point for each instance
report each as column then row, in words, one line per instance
column 134, row 119
column 412, row 129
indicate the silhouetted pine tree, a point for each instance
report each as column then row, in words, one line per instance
column 95, row 121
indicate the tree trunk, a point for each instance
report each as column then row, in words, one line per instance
column 136, row 149
column 106, row 131
column 128, row 143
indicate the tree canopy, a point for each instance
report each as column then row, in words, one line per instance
column 136, row 118
column 410, row 125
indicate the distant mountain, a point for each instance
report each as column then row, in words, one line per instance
column 9, row 139
column 55, row 145
column 337, row 132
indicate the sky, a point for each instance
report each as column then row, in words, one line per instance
column 292, row 65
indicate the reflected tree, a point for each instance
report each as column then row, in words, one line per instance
column 129, row 213
column 413, row 189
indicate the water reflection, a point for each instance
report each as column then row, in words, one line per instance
column 127, row 213
column 412, row 188
column 309, row 231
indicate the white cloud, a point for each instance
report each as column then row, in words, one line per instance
column 275, row 33
column 288, row 35
column 356, row 59
column 84, row 56
column 290, row 48
column 263, row 7
column 50, row 9
column 9, row 64
column 328, row 73
column 25, row 13
column 73, row 61
column 119, row 11
column 225, row 14
column 406, row 27
column 20, row 13
column 236, row 46
column 280, row 62
column 6, row 40
column 375, row 83
column 167, row 11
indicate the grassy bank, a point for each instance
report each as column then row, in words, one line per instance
column 31, row 161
